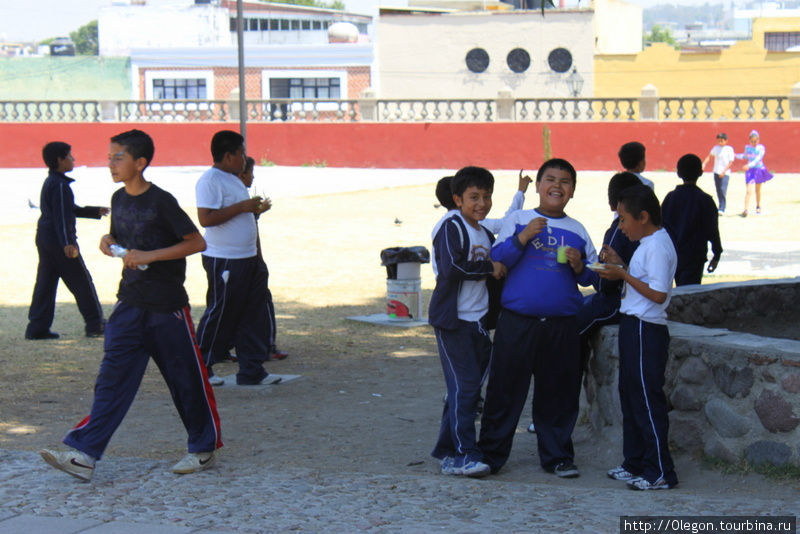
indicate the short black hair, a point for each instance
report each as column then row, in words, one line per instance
column 54, row 150
column 225, row 142
column 631, row 154
column 690, row 168
column 722, row 135
column 471, row 176
column 444, row 193
column 618, row 183
column 249, row 164
column 641, row 198
column 557, row 163
column 137, row 143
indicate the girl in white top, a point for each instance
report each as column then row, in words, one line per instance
column 643, row 341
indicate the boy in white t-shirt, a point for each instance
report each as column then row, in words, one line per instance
column 237, row 277
column 723, row 159
column 643, row 341
column 459, row 313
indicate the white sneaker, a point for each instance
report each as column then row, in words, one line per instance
column 73, row 462
column 215, row 380
column 193, row 462
column 532, row 428
column 620, row 473
column 270, row 379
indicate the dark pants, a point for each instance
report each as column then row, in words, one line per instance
column 721, row 184
column 689, row 273
column 236, row 315
column 548, row 349
column 643, row 352
column 54, row 265
column 133, row 335
column 464, row 353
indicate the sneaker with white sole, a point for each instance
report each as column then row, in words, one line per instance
column 642, row 484
column 532, row 428
column 193, row 462
column 474, row 469
column 620, row 473
column 447, row 465
column 566, row 470
column 215, row 380
column 73, row 462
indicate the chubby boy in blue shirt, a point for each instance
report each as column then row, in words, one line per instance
column 546, row 253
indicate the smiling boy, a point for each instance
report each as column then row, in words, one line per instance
column 537, row 331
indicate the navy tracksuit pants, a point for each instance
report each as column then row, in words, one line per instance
column 54, row 265
column 237, row 315
column 643, row 352
column 547, row 348
column 133, row 335
column 464, row 353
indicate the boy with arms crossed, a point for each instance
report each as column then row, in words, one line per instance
column 150, row 319
column 537, row 331
column 459, row 313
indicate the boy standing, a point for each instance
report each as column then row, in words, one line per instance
column 59, row 256
column 723, row 159
column 150, row 319
column 545, row 252
column 236, row 314
column 459, row 312
column 690, row 217
column 632, row 158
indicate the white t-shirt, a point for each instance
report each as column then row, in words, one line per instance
column 653, row 263
column 723, row 156
column 236, row 237
column 473, row 298
column 645, row 181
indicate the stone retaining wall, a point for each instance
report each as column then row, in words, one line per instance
column 732, row 395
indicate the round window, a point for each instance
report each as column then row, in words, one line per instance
column 477, row 60
column 560, row 60
column 518, row 60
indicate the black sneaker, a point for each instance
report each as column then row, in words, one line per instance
column 566, row 470
column 42, row 335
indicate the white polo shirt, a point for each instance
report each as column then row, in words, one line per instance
column 653, row 263
column 723, row 156
column 236, row 237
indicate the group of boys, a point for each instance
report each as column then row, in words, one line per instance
column 153, row 235
column 542, row 321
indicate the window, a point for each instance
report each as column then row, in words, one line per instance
column 263, row 24
column 781, row 41
column 518, row 60
column 284, row 24
column 253, row 25
column 306, row 24
column 274, row 24
column 295, row 24
column 560, row 59
column 317, row 25
column 305, row 88
column 179, row 89
column 477, row 60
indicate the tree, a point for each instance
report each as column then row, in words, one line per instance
column 85, row 39
column 660, row 34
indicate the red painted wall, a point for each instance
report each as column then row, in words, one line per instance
column 588, row 145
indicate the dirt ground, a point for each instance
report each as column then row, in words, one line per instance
column 369, row 399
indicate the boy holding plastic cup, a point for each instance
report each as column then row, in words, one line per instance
column 537, row 332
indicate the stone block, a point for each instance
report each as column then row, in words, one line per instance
column 685, row 433
column 715, row 448
column 733, row 381
column 791, row 383
column 725, row 420
column 693, row 371
column 767, row 452
column 686, row 398
column 775, row 412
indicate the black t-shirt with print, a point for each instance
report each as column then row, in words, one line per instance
column 151, row 221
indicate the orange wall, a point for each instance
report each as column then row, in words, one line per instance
column 589, row 146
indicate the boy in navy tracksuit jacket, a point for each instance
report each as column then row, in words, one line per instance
column 691, row 219
column 150, row 319
column 459, row 313
column 537, row 331
column 59, row 256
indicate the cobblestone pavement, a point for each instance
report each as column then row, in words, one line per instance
column 135, row 495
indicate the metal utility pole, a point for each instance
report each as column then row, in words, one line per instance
column 242, row 96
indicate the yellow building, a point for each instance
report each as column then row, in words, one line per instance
column 747, row 68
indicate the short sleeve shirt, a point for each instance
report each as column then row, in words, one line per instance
column 473, row 297
column 723, row 156
column 151, row 221
column 236, row 237
column 654, row 263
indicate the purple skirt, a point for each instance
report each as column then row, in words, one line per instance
column 759, row 175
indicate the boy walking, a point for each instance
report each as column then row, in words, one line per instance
column 690, row 217
column 236, row 311
column 59, row 255
column 150, row 319
column 723, row 159
column 459, row 313
column 545, row 252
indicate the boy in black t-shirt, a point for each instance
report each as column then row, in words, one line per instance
column 151, row 318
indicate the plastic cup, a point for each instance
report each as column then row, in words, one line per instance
column 561, row 255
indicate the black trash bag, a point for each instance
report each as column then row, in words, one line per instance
column 390, row 257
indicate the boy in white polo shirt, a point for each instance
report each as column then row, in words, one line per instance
column 237, row 280
column 723, row 156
